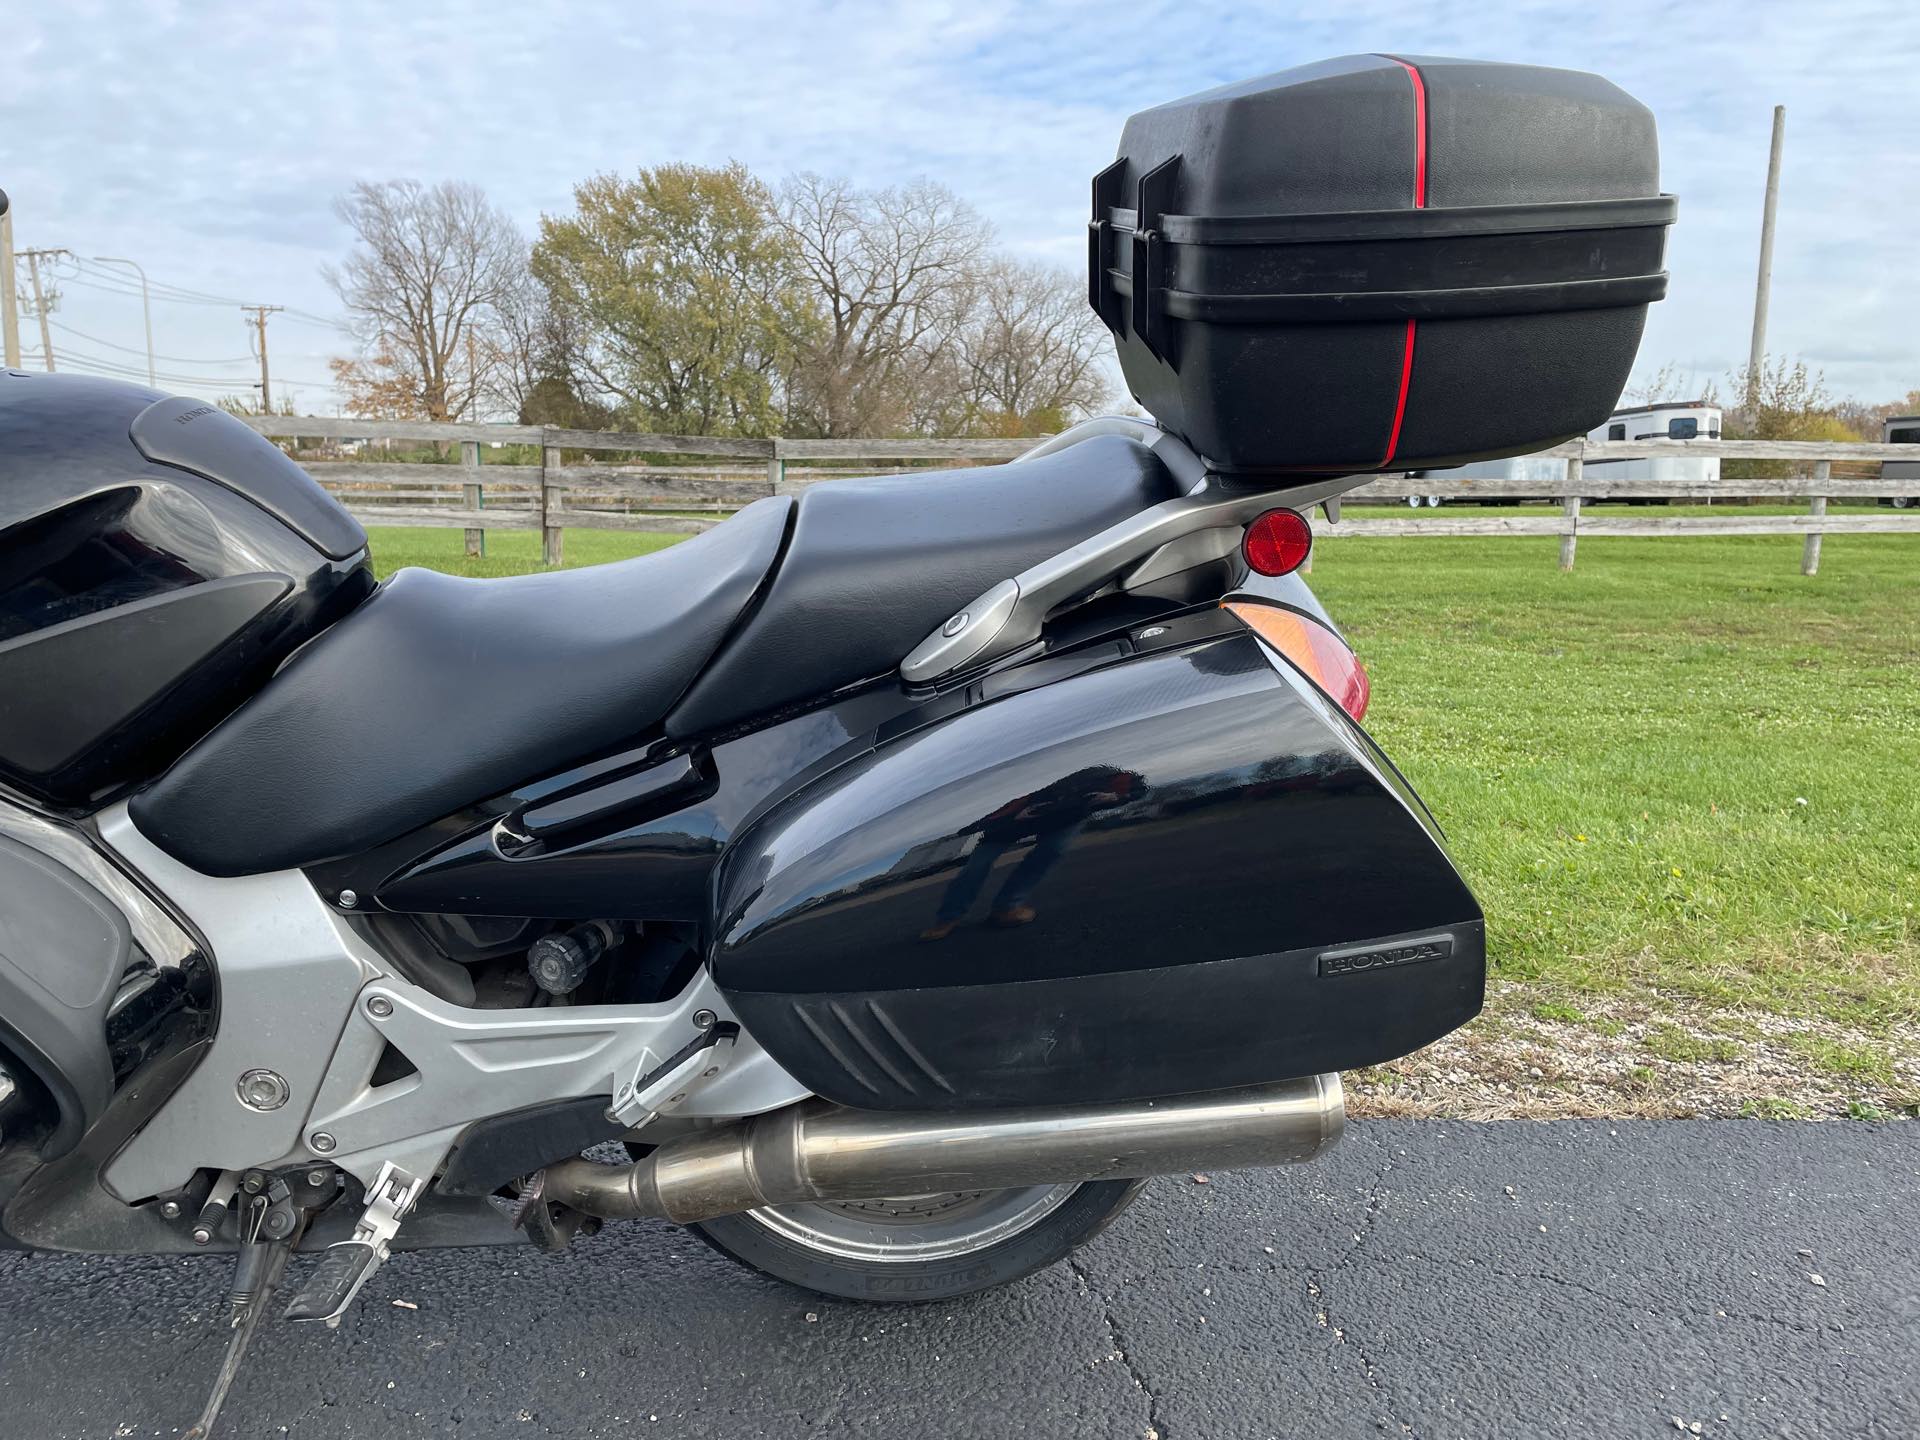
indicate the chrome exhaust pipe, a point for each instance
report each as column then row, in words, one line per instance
column 817, row 1151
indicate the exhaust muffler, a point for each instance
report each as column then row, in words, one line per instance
column 817, row 1151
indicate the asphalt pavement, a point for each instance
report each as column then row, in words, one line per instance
column 1429, row 1279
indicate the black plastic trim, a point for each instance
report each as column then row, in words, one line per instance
column 1431, row 223
column 1094, row 1038
column 1348, row 307
column 208, row 442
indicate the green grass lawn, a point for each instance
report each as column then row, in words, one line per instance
column 1683, row 767
column 1683, row 764
column 509, row 552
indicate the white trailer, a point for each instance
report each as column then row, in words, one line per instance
column 1902, row 430
column 1669, row 420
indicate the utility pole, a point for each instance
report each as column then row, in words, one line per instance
column 1757, row 352
column 9, row 296
column 146, row 308
column 34, row 257
column 260, row 313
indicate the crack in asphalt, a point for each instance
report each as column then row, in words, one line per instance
column 1666, row 1288
column 1117, row 1338
column 1637, row 1307
column 1376, row 1198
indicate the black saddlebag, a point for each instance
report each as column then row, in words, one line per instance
column 1180, row 871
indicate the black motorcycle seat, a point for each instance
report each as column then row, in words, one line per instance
column 439, row 691
column 875, row 565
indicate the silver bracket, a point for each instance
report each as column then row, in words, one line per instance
column 348, row 1265
column 639, row 1100
column 393, row 1195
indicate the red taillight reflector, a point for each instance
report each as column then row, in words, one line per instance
column 1277, row 543
column 1319, row 654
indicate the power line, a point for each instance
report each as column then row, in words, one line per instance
column 111, row 369
column 100, row 364
column 180, row 292
column 134, row 350
column 107, row 282
column 92, row 281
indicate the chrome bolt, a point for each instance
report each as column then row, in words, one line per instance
column 202, row 1235
column 709, row 1072
column 704, row 1019
column 348, row 899
column 262, row 1090
column 676, row 1099
column 170, row 1209
column 379, row 1007
column 319, row 1176
column 322, row 1142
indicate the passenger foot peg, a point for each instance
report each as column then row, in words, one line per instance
column 349, row 1264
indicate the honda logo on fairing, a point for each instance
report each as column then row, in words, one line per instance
column 1350, row 962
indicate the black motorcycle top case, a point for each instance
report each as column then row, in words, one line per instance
column 1381, row 262
column 157, row 560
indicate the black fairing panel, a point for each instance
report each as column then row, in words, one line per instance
column 110, row 666
column 206, row 440
column 139, row 601
column 439, row 692
column 875, row 564
column 1183, row 871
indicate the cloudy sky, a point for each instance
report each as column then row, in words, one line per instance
column 207, row 140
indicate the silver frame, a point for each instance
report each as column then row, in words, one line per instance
column 302, row 995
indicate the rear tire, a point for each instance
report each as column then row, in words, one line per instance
column 920, row 1248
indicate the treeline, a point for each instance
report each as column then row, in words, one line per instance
column 1780, row 399
column 703, row 301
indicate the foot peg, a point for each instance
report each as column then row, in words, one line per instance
column 349, row 1264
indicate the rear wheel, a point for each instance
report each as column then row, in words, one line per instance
column 920, row 1247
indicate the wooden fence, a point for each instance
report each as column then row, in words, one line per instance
column 687, row 483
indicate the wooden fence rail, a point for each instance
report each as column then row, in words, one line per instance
column 687, row 483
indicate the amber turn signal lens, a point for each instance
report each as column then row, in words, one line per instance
column 1318, row 653
column 1277, row 543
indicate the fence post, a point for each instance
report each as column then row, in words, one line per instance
column 552, row 537
column 1817, row 505
column 1570, row 507
column 776, row 473
column 472, row 495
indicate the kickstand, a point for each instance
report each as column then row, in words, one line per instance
column 256, row 1274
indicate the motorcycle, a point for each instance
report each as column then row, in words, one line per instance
column 884, row 883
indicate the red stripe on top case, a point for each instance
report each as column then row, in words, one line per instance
column 1419, row 203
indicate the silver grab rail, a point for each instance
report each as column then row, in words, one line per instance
column 1010, row 614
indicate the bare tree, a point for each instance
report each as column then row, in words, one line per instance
column 536, row 356
column 890, row 273
column 1030, row 350
column 1669, row 384
column 424, row 289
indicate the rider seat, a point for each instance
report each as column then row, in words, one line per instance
column 440, row 692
